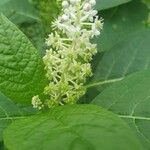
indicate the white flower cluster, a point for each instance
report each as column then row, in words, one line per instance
column 70, row 51
column 36, row 102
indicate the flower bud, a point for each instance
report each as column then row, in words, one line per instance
column 65, row 17
column 87, row 7
column 65, row 4
column 73, row 2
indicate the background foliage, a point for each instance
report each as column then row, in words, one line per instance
column 120, row 83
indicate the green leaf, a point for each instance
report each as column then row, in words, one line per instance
column 125, row 40
column 105, row 4
column 130, row 99
column 146, row 2
column 75, row 127
column 21, row 69
column 19, row 11
column 122, row 25
column 8, row 112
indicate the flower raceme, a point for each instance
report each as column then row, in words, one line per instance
column 69, row 53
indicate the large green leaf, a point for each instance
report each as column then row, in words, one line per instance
column 75, row 127
column 8, row 112
column 121, row 25
column 130, row 99
column 18, row 11
column 126, row 57
column 104, row 4
column 21, row 69
column 125, row 40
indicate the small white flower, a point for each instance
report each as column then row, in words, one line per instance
column 70, row 11
column 94, row 12
column 87, row 7
column 50, row 39
column 73, row 31
column 92, row 2
column 56, row 24
column 73, row 2
column 96, row 26
column 65, row 4
column 65, row 17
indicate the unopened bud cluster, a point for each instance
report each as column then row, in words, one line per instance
column 70, row 51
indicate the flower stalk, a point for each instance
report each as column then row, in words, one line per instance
column 67, row 59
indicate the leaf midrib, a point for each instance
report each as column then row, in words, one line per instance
column 134, row 117
column 12, row 118
column 104, row 82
